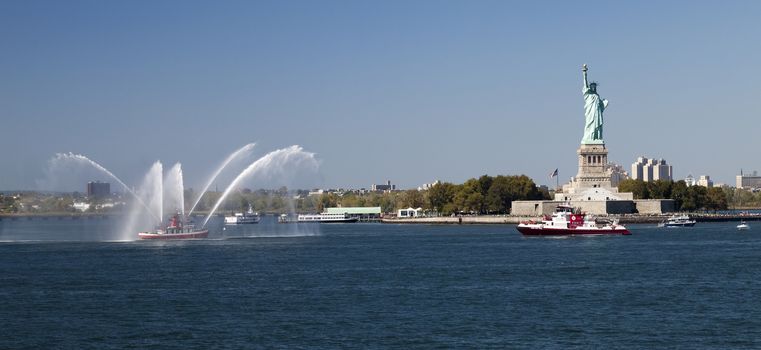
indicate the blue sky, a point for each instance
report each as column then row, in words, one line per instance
column 410, row 91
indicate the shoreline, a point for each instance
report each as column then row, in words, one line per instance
column 514, row 220
column 441, row 220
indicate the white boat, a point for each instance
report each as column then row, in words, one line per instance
column 249, row 217
column 678, row 221
column 286, row 219
column 743, row 226
column 326, row 218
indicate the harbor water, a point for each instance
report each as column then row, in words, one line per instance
column 66, row 284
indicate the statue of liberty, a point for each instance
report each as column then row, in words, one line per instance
column 593, row 109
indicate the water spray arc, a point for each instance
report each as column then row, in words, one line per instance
column 81, row 158
column 162, row 193
column 225, row 163
column 273, row 161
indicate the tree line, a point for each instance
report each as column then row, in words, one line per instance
column 686, row 198
column 483, row 195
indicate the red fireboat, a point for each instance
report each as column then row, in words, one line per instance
column 566, row 221
column 175, row 230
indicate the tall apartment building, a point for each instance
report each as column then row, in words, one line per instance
column 98, row 189
column 651, row 170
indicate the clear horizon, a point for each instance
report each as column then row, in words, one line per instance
column 410, row 92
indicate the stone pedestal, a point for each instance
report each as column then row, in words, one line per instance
column 593, row 180
column 593, row 167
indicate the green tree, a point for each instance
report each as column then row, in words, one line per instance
column 695, row 199
column 637, row 187
column 440, row 195
column 659, row 189
column 484, row 183
column 349, row 200
column 327, row 200
column 679, row 194
column 499, row 196
column 716, row 199
column 411, row 199
column 468, row 197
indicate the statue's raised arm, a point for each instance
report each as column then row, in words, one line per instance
column 584, row 72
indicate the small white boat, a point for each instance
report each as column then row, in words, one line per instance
column 743, row 226
column 249, row 217
column 678, row 221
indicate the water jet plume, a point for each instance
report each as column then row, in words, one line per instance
column 241, row 151
column 272, row 166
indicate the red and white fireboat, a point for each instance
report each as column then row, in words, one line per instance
column 566, row 221
column 175, row 230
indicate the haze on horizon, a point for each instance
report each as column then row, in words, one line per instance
column 406, row 91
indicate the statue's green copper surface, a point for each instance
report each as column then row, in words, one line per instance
column 593, row 109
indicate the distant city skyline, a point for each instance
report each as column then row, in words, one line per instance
column 410, row 92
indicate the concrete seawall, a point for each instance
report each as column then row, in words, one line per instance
column 461, row 220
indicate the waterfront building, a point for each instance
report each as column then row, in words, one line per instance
column 409, row 213
column 97, row 189
column 648, row 170
column 748, row 181
column 361, row 213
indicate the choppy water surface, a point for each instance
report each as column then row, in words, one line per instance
column 378, row 286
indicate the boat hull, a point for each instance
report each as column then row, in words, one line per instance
column 185, row 235
column 686, row 224
column 241, row 221
column 329, row 221
column 543, row 231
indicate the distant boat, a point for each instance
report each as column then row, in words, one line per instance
column 743, row 226
column 286, row 219
column 249, row 217
column 326, row 218
column 678, row 221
